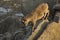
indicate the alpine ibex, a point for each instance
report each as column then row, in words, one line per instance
column 40, row 12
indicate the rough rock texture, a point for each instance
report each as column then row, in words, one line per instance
column 38, row 31
column 52, row 32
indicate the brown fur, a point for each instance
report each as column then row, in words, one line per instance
column 39, row 12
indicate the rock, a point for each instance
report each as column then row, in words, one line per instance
column 52, row 32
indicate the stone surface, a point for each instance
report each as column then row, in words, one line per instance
column 52, row 32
